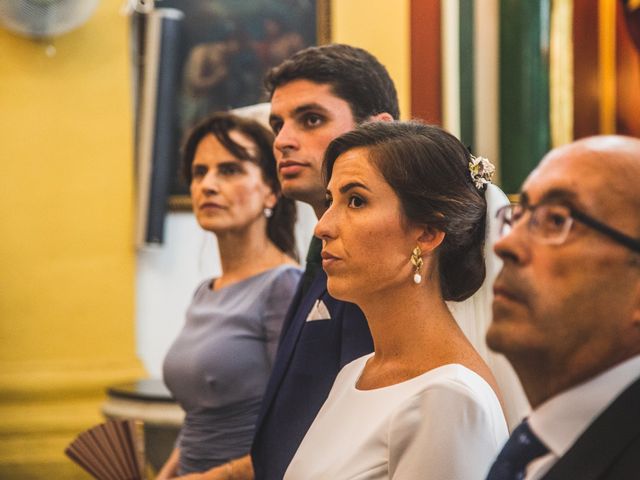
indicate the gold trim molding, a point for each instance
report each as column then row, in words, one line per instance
column 561, row 73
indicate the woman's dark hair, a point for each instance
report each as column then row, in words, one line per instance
column 428, row 168
column 280, row 227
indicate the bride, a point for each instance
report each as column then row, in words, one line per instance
column 404, row 234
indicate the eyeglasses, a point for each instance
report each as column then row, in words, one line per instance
column 551, row 224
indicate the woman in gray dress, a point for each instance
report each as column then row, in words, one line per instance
column 218, row 366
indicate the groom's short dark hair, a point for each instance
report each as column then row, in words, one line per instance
column 354, row 75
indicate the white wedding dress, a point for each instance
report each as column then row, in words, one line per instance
column 445, row 424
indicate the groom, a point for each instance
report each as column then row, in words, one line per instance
column 316, row 95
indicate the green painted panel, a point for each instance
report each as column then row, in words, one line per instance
column 524, row 88
column 467, row 130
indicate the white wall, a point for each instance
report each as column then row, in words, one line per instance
column 167, row 276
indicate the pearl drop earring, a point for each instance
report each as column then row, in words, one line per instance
column 416, row 261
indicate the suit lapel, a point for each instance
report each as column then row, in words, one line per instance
column 291, row 312
column 296, row 319
column 597, row 448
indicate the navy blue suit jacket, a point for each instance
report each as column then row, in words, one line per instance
column 310, row 355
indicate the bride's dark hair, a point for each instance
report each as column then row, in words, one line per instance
column 428, row 168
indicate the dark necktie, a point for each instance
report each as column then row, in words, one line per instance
column 314, row 263
column 522, row 447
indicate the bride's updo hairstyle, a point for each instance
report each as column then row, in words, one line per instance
column 428, row 168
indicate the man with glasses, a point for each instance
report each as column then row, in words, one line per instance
column 566, row 313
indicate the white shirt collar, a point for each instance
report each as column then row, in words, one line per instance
column 562, row 419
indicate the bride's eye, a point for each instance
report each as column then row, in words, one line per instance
column 356, row 202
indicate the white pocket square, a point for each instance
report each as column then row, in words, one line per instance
column 318, row 312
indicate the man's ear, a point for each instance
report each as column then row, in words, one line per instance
column 381, row 117
column 430, row 238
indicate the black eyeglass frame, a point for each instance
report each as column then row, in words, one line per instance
column 612, row 233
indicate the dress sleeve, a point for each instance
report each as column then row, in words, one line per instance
column 280, row 296
column 445, row 434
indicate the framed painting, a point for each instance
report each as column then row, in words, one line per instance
column 227, row 47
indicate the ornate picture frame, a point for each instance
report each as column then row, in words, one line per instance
column 229, row 47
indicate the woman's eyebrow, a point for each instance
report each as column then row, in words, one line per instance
column 351, row 185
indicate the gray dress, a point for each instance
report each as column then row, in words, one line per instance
column 218, row 366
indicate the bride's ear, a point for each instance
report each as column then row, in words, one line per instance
column 430, row 238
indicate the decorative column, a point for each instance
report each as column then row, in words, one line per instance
column 524, row 88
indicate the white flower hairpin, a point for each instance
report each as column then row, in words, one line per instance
column 481, row 171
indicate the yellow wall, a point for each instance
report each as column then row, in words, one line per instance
column 66, row 256
column 382, row 27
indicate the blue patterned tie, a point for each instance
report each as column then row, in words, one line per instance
column 521, row 448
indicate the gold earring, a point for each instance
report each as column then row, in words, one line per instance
column 416, row 261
